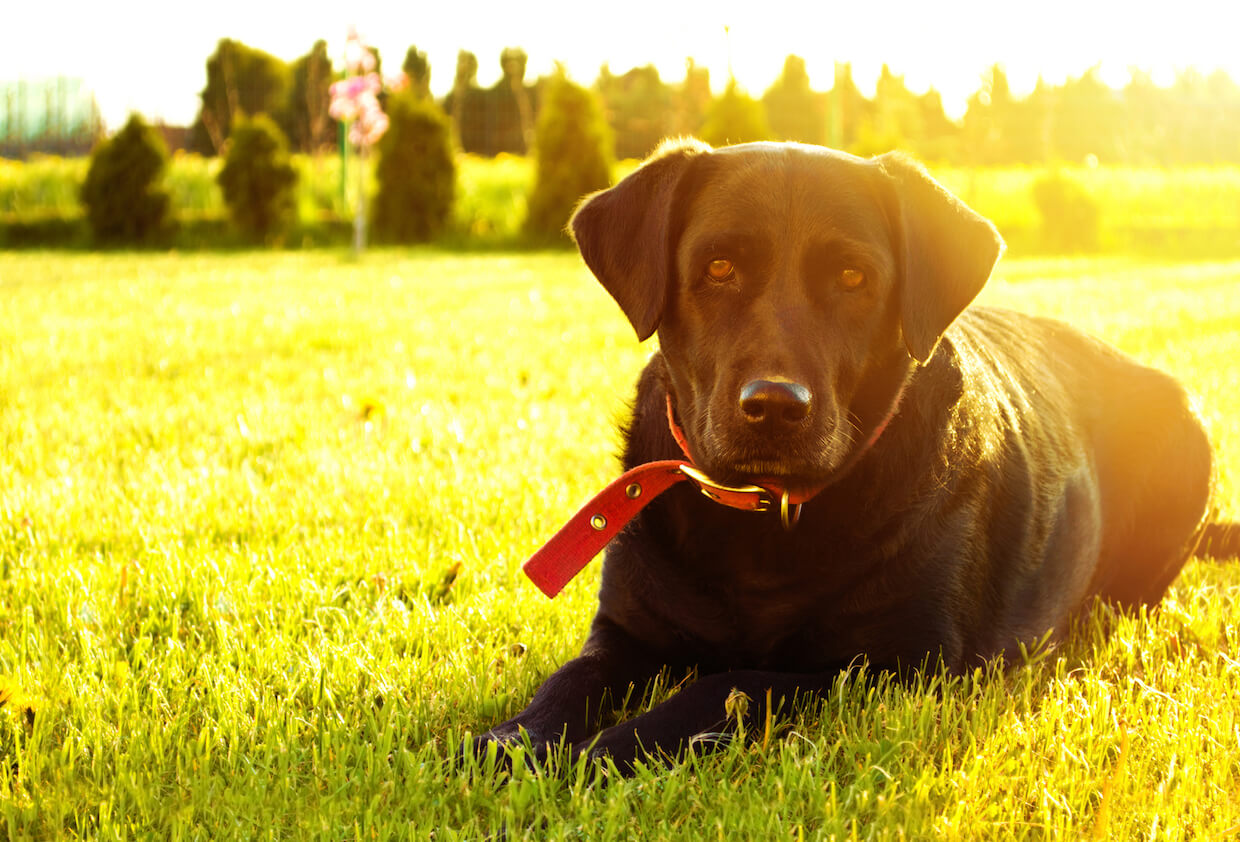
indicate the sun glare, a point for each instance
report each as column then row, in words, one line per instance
column 947, row 46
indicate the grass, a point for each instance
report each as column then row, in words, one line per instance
column 489, row 208
column 1178, row 212
column 261, row 519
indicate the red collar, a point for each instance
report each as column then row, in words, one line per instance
column 609, row 511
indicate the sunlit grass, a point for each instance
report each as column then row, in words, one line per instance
column 1176, row 211
column 1144, row 209
column 261, row 519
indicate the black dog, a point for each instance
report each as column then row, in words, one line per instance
column 972, row 478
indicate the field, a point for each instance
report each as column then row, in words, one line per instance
column 261, row 523
column 1180, row 212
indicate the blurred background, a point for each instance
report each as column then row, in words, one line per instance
column 1077, row 127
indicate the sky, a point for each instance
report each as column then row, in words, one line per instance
column 150, row 56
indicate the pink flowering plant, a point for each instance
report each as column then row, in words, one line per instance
column 355, row 102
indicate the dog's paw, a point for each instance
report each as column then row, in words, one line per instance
column 622, row 745
column 506, row 746
column 625, row 747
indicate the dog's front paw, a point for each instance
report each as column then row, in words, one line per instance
column 617, row 744
column 623, row 745
column 508, row 744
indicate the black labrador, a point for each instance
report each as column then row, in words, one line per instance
column 972, row 478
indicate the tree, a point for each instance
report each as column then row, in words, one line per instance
column 735, row 117
column 692, row 100
column 988, row 120
column 1204, row 118
column 125, row 202
column 417, row 69
column 793, row 110
column 357, row 102
column 940, row 137
column 240, row 79
column 258, row 180
column 638, row 106
column 572, row 157
column 847, row 109
column 1147, row 127
column 416, row 171
column 465, row 106
column 511, row 105
column 1086, row 119
column 310, row 128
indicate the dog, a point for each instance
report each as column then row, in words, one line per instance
column 952, row 481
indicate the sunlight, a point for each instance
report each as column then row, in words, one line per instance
column 945, row 45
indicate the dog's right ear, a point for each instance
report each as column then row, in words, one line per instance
column 623, row 233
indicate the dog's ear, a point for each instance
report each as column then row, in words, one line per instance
column 947, row 252
column 623, row 233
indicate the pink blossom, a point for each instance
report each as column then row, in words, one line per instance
column 343, row 109
column 357, row 57
column 355, row 99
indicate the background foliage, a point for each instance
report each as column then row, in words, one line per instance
column 1101, row 153
column 1194, row 120
column 416, row 172
column 125, row 201
column 1183, row 211
column 257, row 180
column 572, row 158
column 735, row 117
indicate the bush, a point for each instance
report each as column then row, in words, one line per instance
column 416, row 171
column 735, row 118
column 572, row 158
column 258, row 180
column 1070, row 216
column 124, row 199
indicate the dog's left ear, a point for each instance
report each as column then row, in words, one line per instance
column 947, row 252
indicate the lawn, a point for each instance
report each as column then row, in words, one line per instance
column 261, row 523
column 1180, row 212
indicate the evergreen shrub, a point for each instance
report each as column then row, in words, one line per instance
column 125, row 200
column 1071, row 218
column 416, row 172
column 572, row 158
column 258, row 180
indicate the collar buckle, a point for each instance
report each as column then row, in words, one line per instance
column 753, row 498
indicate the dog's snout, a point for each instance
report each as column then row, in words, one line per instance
column 775, row 401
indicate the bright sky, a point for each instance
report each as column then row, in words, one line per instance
column 150, row 55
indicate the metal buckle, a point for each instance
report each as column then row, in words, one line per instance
column 714, row 490
column 789, row 513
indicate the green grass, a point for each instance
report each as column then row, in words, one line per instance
column 261, row 519
column 489, row 209
column 1185, row 211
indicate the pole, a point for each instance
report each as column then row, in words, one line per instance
column 359, row 218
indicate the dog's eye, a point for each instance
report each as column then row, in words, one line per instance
column 852, row 278
column 720, row 270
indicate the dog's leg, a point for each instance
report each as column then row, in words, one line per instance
column 707, row 714
column 568, row 705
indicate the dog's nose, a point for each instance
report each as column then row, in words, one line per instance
column 776, row 401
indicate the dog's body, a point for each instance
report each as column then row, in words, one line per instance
column 975, row 481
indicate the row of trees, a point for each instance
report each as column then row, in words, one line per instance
column 1194, row 120
column 126, row 202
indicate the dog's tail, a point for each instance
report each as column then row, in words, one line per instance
column 1220, row 541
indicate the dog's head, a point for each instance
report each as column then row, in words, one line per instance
column 793, row 288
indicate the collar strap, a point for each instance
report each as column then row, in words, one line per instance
column 609, row 511
column 583, row 537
